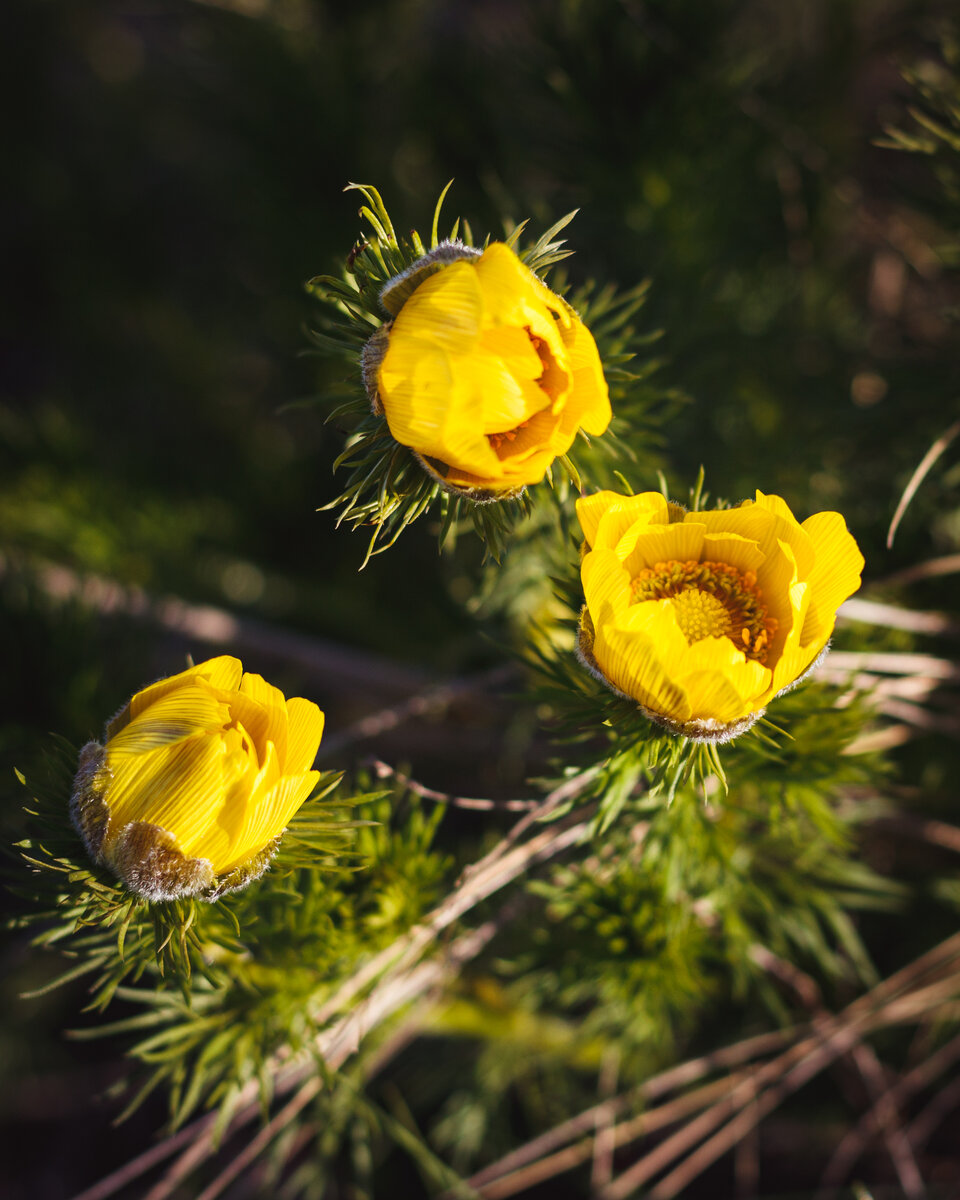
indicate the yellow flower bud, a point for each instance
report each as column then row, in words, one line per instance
column 702, row 618
column 484, row 372
column 198, row 777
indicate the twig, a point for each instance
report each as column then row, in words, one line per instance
column 314, row 657
column 926, row 1123
column 518, row 1180
column 257, row 1145
column 923, row 467
column 601, row 1170
column 856, row 1141
column 422, row 704
column 920, row 717
column 937, row 833
column 948, row 564
column 892, row 616
column 893, row 664
column 659, row 1085
column 385, row 771
column 887, row 1120
column 867, row 1064
column 877, row 740
column 785, row 1074
column 136, row 1167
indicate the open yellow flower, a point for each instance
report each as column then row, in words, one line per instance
column 484, row 372
column 198, row 778
column 703, row 617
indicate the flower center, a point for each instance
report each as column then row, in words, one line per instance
column 552, row 381
column 496, row 440
column 711, row 599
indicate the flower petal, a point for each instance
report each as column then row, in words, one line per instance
column 621, row 512
column 513, row 295
column 304, row 734
column 177, row 787
column 679, row 542
column 836, row 571
column 180, row 713
column 606, row 585
column 731, row 548
column 261, row 707
column 720, row 682
column 268, row 817
column 588, row 405
column 222, row 672
column 763, row 524
column 637, row 653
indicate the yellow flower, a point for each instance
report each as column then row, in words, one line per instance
column 703, row 617
column 198, row 778
column 485, row 373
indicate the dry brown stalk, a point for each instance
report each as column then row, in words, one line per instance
column 385, row 771
column 893, row 616
column 659, row 1085
column 781, row 1077
column 889, row 662
column 918, row 476
column 649, row 1121
column 926, row 1123
column 937, row 833
column 867, row 1064
column 887, row 1120
column 254, row 1148
column 948, row 564
column 430, row 700
column 857, row 1140
column 601, row 1169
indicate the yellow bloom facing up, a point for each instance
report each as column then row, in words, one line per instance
column 484, row 372
column 197, row 780
column 703, row 617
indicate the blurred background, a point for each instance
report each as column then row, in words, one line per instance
column 174, row 173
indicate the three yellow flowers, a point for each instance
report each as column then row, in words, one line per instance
column 699, row 618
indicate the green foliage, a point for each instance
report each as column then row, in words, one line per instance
column 936, row 128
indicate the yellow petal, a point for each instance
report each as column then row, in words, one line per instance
column 606, row 585
column 268, row 818
column 780, row 590
column 761, row 524
column 680, row 542
column 720, row 682
column 622, row 511
column 836, row 571
column 513, row 295
column 178, row 787
column 634, row 653
column 180, row 713
column 795, row 659
column 222, row 672
column 589, row 403
column 732, row 549
column 304, row 734
column 777, row 505
column 445, row 312
column 263, row 710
